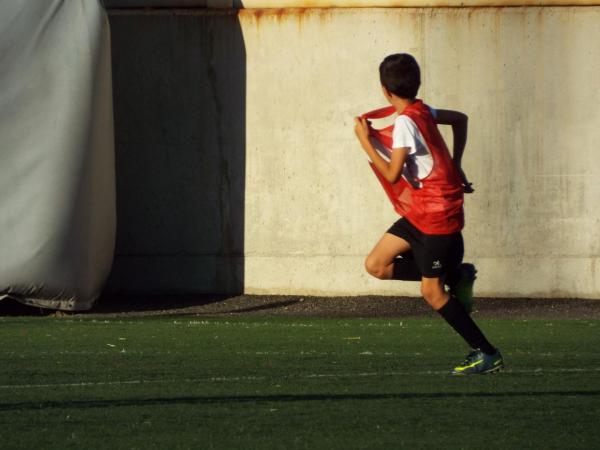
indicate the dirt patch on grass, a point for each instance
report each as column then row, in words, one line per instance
column 363, row 306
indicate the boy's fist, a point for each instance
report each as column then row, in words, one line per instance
column 467, row 186
column 361, row 128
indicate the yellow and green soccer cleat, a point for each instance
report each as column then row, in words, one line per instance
column 479, row 363
column 463, row 289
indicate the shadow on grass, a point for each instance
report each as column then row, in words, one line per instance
column 267, row 306
column 110, row 304
column 207, row 400
column 190, row 304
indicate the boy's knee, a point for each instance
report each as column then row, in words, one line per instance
column 374, row 267
column 427, row 291
column 434, row 294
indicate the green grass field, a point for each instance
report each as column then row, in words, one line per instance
column 241, row 382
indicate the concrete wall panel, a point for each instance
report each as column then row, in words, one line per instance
column 527, row 78
column 180, row 145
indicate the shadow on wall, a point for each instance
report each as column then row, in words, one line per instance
column 179, row 104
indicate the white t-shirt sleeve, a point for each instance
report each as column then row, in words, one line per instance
column 419, row 162
column 404, row 134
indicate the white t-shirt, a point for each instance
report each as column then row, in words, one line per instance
column 419, row 161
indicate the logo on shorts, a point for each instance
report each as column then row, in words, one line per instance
column 436, row 264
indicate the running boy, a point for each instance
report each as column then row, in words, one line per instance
column 426, row 244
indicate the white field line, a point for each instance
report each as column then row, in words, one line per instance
column 538, row 371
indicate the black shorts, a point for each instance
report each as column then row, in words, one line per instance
column 436, row 255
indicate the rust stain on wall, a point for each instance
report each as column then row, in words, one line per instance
column 285, row 15
column 473, row 10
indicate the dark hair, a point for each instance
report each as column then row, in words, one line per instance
column 400, row 74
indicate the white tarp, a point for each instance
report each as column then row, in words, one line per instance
column 57, row 176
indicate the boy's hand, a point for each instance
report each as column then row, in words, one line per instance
column 361, row 128
column 467, row 187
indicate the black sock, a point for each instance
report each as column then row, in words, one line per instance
column 457, row 317
column 405, row 268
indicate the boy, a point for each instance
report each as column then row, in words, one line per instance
column 426, row 244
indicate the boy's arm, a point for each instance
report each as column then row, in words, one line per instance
column 459, row 122
column 391, row 171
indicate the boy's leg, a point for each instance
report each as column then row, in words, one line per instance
column 454, row 258
column 461, row 284
column 406, row 268
column 381, row 261
column 459, row 277
column 441, row 254
column 453, row 312
column 392, row 257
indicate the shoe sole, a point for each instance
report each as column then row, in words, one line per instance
column 493, row 370
column 486, row 372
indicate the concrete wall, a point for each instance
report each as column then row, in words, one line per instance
column 312, row 209
column 180, row 129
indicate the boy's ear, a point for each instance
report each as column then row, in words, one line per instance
column 387, row 94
